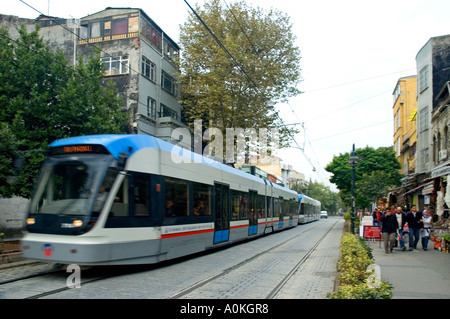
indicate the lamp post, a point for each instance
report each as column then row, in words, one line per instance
column 353, row 161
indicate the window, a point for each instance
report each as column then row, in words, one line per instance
column 95, row 31
column 397, row 119
column 276, row 206
column 152, row 35
column 260, row 207
column 84, row 31
column 151, row 107
column 116, row 65
column 425, row 156
column 446, row 139
column 168, row 83
column 141, row 193
column 177, row 197
column 148, row 69
column 167, row 112
column 121, row 201
column 107, row 29
column 239, row 205
column 423, row 78
column 169, row 50
column 119, row 26
column 131, row 207
column 397, row 92
column 423, row 119
column 202, row 200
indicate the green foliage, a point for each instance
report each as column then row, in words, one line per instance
column 376, row 172
column 355, row 259
column 362, row 291
column 214, row 86
column 44, row 99
column 329, row 200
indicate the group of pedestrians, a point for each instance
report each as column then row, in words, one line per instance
column 395, row 223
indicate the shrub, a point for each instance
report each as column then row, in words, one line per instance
column 355, row 259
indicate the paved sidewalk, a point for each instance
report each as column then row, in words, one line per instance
column 416, row 274
column 316, row 277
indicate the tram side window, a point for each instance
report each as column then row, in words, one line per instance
column 202, row 200
column 293, row 205
column 260, row 207
column 286, row 207
column 120, row 205
column 177, row 197
column 140, row 196
column 276, row 206
column 240, row 205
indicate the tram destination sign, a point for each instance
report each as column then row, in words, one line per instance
column 84, row 148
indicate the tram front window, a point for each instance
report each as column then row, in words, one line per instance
column 70, row 187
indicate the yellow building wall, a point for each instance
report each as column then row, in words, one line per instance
column 404, row 109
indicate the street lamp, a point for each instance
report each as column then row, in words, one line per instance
column 353, row 161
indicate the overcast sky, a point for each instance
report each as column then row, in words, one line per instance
column 353, row 53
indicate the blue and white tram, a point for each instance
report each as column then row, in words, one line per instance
column 123, row 199
column 309, row 209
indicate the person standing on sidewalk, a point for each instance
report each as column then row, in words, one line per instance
column 401, row 220
column 389, row 226
column 415, row 224
column 427, row 219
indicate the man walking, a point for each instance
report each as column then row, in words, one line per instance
column 389, row 226
column 415, row 223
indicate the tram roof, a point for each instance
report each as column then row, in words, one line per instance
column 123, row 143
column 116, row 143
column 307, row 199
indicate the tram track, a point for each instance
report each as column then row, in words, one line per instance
column 245, row 262
column 282, row 283
column 48, row 283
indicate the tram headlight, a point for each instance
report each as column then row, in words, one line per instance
column 77, row 223
column 30, row 221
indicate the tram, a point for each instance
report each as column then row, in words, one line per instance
column 309, row 209
column 123, row 199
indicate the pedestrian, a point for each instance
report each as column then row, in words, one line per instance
column 401, row 220
column 427, row 218
column 389, row 226
column 415, row 224
column 376, row 217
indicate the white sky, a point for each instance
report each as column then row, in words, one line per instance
column 353, row 53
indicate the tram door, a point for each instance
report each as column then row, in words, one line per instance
column 222, row 211
column 269, row 207
column 253, row 216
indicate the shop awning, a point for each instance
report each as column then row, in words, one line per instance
column 429, row 184
column 441, row 170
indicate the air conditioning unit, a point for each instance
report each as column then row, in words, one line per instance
column 442, row 155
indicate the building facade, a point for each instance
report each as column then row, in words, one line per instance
column 141, row 59
column 405, row 137
column 433, row 71
column 138, row 57
column 428, row 186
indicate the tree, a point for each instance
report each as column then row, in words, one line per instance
column 376, row 172
column 44, row 99
column 235, row 83
column 329, row 200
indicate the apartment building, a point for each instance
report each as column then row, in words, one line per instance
column 138, row 56
column 433, row 71
column 405, row 137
